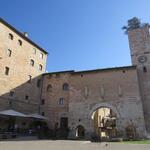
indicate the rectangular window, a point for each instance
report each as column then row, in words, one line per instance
column 41, row 55
column 26, row 97
column 34, row 50
column 43, row 102
column 38, row 83
column 40, row 67
column 9, row 52
column 61, row 101
column 32, row 62
column 7, row 71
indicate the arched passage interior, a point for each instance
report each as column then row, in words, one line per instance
column 104, row 122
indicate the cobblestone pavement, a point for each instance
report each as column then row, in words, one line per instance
column 68, row 145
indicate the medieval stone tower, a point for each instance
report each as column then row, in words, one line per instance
column 139, row 41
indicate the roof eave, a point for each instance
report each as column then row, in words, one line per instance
column 22, row 35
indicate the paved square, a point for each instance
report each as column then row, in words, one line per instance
column 68, row 145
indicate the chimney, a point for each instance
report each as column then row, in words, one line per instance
column 25, row 34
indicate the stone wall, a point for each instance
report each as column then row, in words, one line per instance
column 53, row 110
column 19, row 71
column 114, row 88
column 121, row 94
column 139, row 40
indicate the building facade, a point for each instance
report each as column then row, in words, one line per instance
column 22, row 62
column 104, row 102
column 87, row 91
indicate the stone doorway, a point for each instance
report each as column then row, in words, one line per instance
column 80, row 132
column 64, row 123
column 62, row 132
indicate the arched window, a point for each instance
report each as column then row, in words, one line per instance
column 32, row 62
column 65, row 87
column 49, row 88
column 11, row 36
column 20, row 42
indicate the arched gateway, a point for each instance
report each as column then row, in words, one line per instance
column 107, row 120
column 94, row 119
column 104, row 117
column 100, row 105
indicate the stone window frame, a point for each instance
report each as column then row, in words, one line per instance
column 32, row 62
column 65, row 87
column 20, row 42
column 39, row 83
column 41, row 55
column 9, row 52
column 40, row 67
column 34, row 50
column 43, row 102
column 61, row 101
column 49, row 88
column 7, row 70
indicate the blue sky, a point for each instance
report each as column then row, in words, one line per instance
column 78, row 34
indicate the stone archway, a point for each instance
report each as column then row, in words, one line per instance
column 99, row 105
column 104, row 118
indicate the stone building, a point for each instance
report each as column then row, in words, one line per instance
column 87, row 91
column 21, row 64
column 103, row 102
